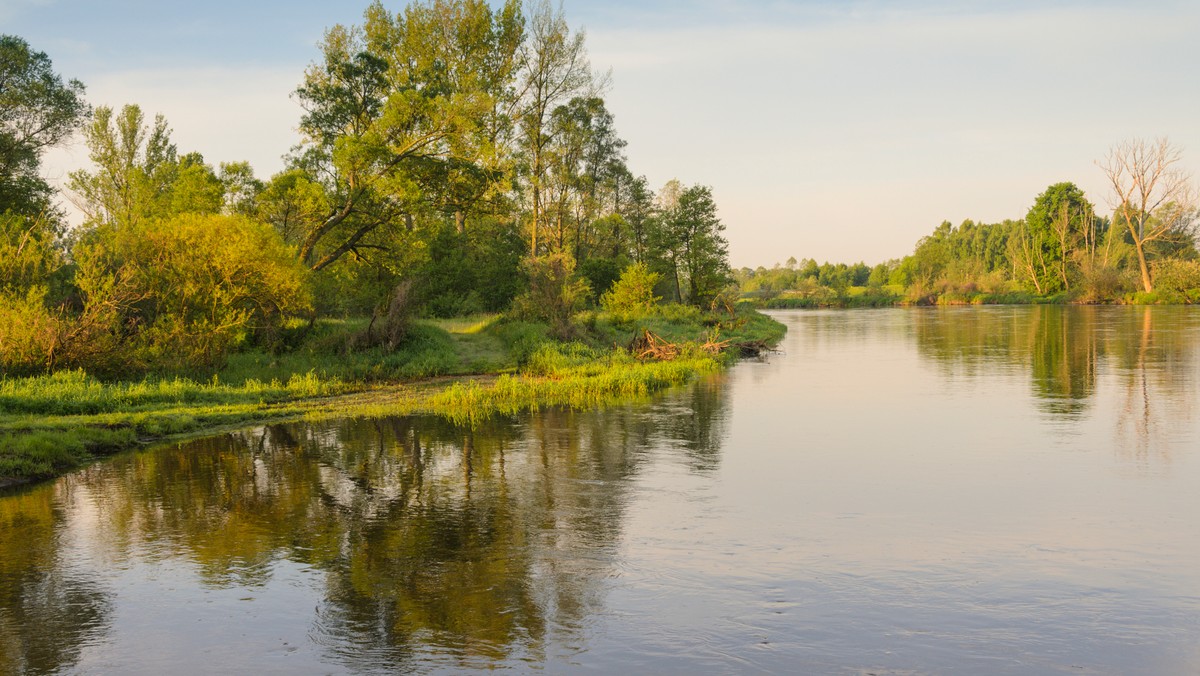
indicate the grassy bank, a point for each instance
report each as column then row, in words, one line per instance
column 464, row 369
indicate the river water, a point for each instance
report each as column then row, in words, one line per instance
column 901, row 491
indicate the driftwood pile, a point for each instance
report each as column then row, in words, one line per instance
column 649, row 346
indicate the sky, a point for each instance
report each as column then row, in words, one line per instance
column 838, row 131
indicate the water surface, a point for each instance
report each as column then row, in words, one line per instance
column 975, row 490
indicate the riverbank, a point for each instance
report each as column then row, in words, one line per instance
column 865, row 297
column 465, row 370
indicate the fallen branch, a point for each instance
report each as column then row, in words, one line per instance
column 649, row 346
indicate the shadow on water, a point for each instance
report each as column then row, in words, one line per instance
column 433, row 542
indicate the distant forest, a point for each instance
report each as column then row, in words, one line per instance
column 1144, row 251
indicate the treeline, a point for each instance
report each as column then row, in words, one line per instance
column 455, row 158
column 1061, row 251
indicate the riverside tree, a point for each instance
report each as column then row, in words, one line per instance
column 395, row 106
column 554, row 69
column 1060, row 228
column 38, row 110
column 689, row 243
column 1152, row 196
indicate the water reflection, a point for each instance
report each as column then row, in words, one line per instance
column 432, row 541
column 901, row 491
column 1150, row 351
column 49, row 609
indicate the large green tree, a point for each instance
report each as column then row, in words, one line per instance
column 138, row 174
column 690, row 242
column 554, row 69
column 38, row 110
column 399, row 111
column 1060, row 228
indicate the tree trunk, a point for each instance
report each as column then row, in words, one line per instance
column 1140, row 246
column 537, row 197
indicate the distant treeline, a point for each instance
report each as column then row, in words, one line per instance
column 1061, row 251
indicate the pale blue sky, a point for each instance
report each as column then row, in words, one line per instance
column 831, row 130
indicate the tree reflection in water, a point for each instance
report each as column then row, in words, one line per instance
column 49, row 608
column 434, row 541
column 1148, row 353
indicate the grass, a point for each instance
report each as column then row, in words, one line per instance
column 51, row 424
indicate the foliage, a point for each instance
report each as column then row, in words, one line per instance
column 29, row 253
column 136, row 167
column 38, row 110
column 1178, row 279
column 1059, row 230
column 473, row 271
column 555, row 292
column 187, row 290
column 632, row 295
column 396, row 113
column 689, row 245
column 1156, row 201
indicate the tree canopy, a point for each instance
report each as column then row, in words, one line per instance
column 38, row 110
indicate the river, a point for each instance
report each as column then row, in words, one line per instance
column 1008, row 490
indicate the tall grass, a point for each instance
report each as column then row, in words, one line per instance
column 77, row 393
column 556, row 379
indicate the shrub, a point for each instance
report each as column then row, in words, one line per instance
column 632, row 295
column 189, row 289
column 555, row 293
column 1178, row 279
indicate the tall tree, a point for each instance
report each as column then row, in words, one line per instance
column 391, row 104
column 134, row 163
column 690, row 241
column 1153, row 196
column 38, row 110
column 1059, row 225
column 554, row 70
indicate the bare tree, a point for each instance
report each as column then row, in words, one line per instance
column 1151, row 194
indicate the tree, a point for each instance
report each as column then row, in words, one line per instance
column 395, row 110
column 37, row 111
column 555, row 292
column 1152, row 195
column 134, row 167
column 585, row 164
column 1059, row 225
column 139, row 175
column 554, row 70
column 690, row 242
column 640, row 214
column 241, row 189
column 632, row 295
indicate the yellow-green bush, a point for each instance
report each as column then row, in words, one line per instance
column 193, row 287
column 632, row 295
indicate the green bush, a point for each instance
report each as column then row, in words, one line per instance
column 193, row 287
column 555, row 293
column 1178, row 279
column 632, row 295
